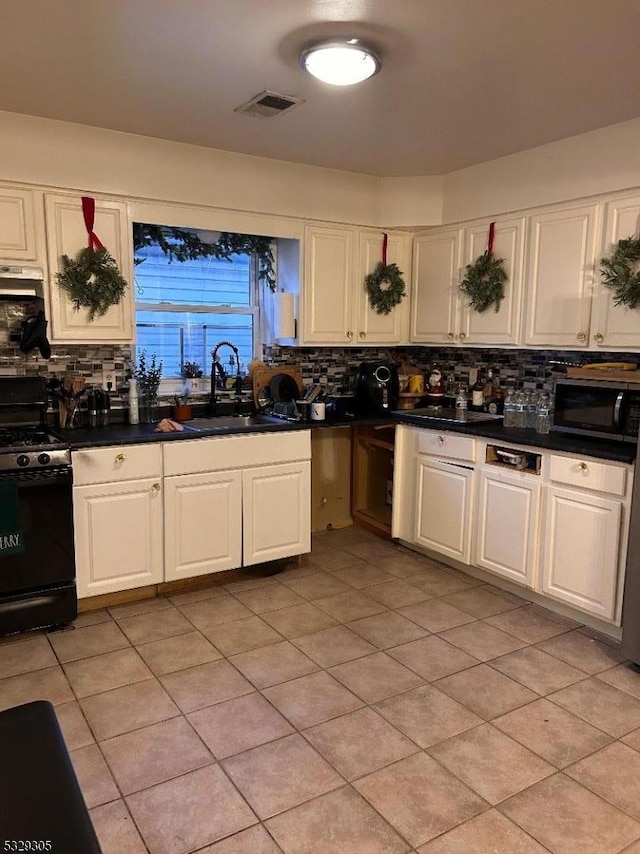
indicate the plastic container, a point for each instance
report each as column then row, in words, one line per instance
column 509, row 418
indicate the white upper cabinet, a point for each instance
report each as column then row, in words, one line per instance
column 559, row 276
column 66, row 235
column 615, row 325
column 328, row 271
column 435, row 297
column 336, row 309
column 492, row 327
column 374, row 328
column 21, row 226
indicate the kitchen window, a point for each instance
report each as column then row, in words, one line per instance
column 185, row 307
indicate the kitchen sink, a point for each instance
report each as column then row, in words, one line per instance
column 441, row 413
column 226, row 422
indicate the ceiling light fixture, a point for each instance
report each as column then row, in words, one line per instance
column 341, row 62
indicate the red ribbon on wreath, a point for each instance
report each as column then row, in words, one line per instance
column 492, row 231
column 385, row 238
column 89, row 212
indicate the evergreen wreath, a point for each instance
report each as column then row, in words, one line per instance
column 384, row 299
column 621, row 272
column 484, row 282
column 92, row 280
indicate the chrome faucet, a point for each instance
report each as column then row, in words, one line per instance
column 216, row 366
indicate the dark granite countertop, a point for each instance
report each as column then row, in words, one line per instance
column 129, row 434
column 624, row 452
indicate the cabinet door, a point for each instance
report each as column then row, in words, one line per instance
column 327, row 288
column 559, row 276
column 66, row 235
column 434, row 300
column 374, row 328
column 21, row 225
column 507, row 525
column 581, row 550
column 276, row 503
column 616, row 325
column 118, row 536
column 503, row 326
column 444, row 494
column 203, row 524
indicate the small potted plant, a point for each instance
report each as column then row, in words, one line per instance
column 182, row 410
column 148, row 373
column 191, row 373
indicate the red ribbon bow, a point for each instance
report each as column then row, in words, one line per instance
column 492, row 231
column 89, row 212
column 384, row 249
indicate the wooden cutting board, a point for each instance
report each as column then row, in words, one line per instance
column 262, row 377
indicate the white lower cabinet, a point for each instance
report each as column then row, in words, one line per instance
column 222, row 503
column 582, row 550
column 118, row 535
column 507, row 524
column 444, row 493
column 276, row 502
column 202, row 524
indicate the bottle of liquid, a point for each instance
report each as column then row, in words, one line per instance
column 494, row 404
column 134, row 412
column 509, row 409
column 488, row 387
column 462, row 403
column 519, row 419
column 477, row 394
column 543, row 420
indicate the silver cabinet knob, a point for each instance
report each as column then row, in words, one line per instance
column 120, row 458
column 462, row 336
column 156, row 487
column 349, row 334
column 581, row 336
column 599, row 337
column 363, row 334
column 451, row 336
column 584, row 466
column 441, row 440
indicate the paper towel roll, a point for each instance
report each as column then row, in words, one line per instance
column 284, row 324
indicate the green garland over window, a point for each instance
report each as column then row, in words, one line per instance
column 385, row 287
column 621, row 272
column 179, row 244
column 483, row 282
column 92, row 280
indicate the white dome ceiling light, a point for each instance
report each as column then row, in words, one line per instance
column 340, row 62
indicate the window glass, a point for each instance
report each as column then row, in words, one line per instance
column 184, row 308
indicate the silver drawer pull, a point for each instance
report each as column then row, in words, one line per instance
column 584, row 466
column 120, row 458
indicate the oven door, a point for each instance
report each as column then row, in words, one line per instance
column 590, row 409
column 37, row 585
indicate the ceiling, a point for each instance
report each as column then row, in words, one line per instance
column 463, row 81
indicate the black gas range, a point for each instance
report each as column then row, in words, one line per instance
column 37, row 562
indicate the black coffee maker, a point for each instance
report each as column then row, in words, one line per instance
column 377, row 388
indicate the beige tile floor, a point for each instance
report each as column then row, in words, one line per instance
column 369, row 702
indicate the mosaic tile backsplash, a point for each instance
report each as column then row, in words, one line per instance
column 333, row 367
column 529, row 369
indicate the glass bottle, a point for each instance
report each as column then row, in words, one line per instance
column 543, row 419
column 531, row 410
column 462, row 403
column 477, row 394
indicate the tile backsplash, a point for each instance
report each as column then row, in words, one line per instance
column 86, row 360
column 337, row 366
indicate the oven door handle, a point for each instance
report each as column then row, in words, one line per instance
column 617, row 409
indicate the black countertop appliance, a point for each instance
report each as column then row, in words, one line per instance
column 377, row 388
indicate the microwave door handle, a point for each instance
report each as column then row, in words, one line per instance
column 616, row 410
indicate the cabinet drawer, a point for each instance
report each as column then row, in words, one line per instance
column 235, row 452
column 589, row 474
column 447, row 445
column 117, row 463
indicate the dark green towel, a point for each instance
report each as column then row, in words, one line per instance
column 11, row 539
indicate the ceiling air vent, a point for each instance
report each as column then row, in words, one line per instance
column 268, row 104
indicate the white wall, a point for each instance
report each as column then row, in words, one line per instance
column 412, row 201
column 602, row 161
column 60, row 154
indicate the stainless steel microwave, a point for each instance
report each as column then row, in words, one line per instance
column 603, row 409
